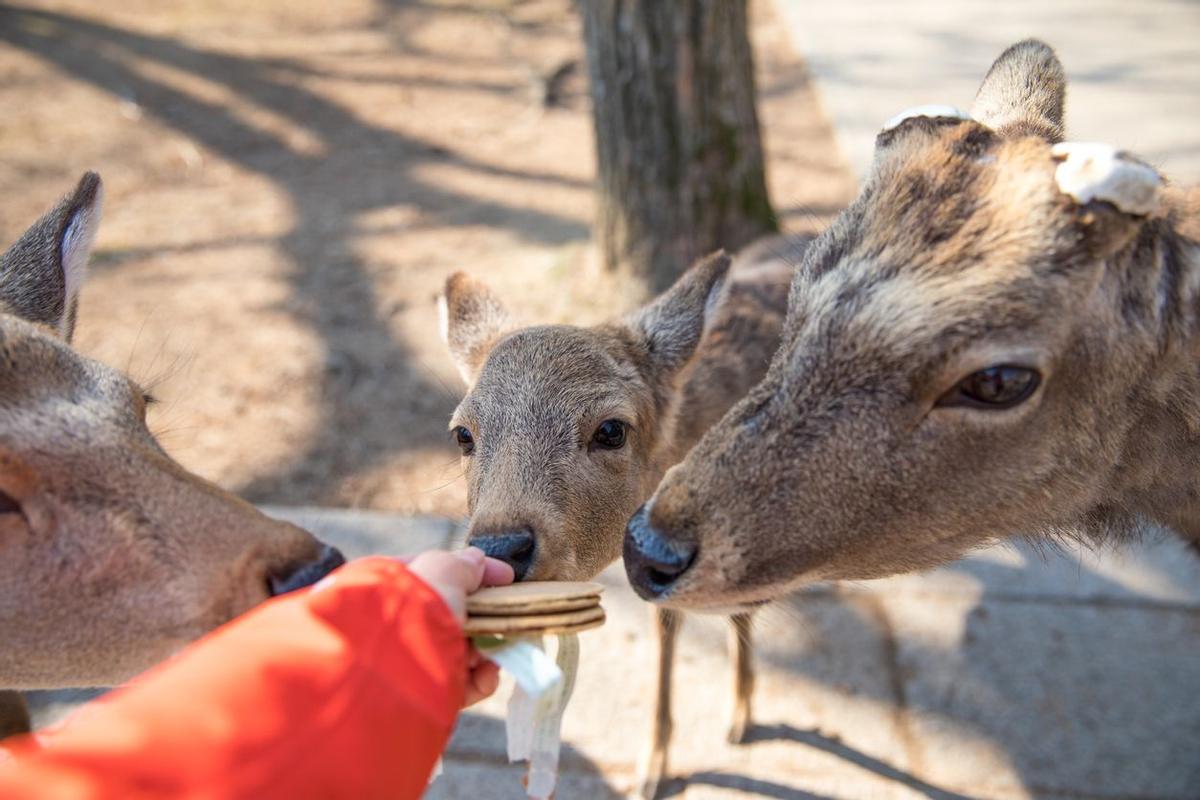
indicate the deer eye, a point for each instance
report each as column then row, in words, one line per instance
column 466, row 441
column 610, row 435
column 997, row 387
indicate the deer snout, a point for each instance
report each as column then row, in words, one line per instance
column 515, row 548
column 652, row 561
column 306, row 574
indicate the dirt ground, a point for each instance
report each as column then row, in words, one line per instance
column 288, row 185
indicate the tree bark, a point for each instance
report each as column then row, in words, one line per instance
column 679, row 154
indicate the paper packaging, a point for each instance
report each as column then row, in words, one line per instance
column 543, row 687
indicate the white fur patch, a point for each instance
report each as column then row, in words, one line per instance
column 77, row 243
column 443, row 308
column 933, row 111
column 1090, row 171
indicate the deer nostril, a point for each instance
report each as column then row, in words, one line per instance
column 516, row 548
column 653, row 562
column 306, row 574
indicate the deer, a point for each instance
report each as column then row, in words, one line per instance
column 565, row 430
column 112, row 556
column 998, row 338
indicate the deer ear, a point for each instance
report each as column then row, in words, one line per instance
column 472, row 320
column 674, row 323
column 41, row 274
column 1024, row 92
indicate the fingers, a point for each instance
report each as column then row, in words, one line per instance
column 452, row 575
column 497, row 572
column 494, row 572
column 481, row 570
column 456, row 575
column 483, row 677
column 462, row 570
column 482, row 682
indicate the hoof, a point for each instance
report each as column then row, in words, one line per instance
column 648, row 788
column 653, row 777
column 739, row 729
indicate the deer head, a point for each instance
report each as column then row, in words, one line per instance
column 112, row 556
column 993, row 340
column 565, row 430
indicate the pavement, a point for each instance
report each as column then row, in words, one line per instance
column 1011, row 674
column 1133, row 67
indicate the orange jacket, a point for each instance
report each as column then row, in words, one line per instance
column 349, row 689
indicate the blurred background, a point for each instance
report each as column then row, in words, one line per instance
column 290, row 183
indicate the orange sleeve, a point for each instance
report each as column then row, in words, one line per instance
column 349, row 689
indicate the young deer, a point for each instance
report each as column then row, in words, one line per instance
column 566, row 430
column 999, row 338
column 112, row 556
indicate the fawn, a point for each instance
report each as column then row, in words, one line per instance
column 998, row 338
column 565, row 430
column 112, row 556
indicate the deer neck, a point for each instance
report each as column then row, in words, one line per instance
column 1158, row 467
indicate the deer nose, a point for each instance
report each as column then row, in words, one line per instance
column 329, row 559
column 652, row 562
column 516, row 548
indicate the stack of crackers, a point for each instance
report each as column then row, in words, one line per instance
column 535, row 608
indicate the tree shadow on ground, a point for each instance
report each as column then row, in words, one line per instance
column 835, row 746
column 364, row 363
column 743, row 783
column 476, row 766
column 1022, row 694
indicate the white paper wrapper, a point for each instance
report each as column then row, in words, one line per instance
column 543, row 687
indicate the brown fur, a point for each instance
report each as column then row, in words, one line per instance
column 537, row 394
column 112, row 556
column 960, row 253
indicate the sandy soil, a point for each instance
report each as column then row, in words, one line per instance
column 289, row 183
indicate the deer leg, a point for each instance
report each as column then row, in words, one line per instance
column 742, row 651
column 654, row 769
column 14, row 716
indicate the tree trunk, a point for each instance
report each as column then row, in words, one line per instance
column 678, row 147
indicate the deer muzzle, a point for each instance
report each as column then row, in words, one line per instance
column 654, row 562
column 297, row 577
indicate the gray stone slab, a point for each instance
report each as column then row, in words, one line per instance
column 1158, row 572
column 491, row 780
column 1134, row 68
column 361, row 533
column 52, row 707
column 1007, row 699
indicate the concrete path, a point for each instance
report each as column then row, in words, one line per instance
column 1012, row 674
column 1134, row 67
column 1008, row 675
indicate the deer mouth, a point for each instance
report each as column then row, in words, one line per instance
column 329, row 559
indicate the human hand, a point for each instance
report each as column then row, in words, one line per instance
column 454, row 576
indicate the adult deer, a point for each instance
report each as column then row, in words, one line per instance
column 112, row 556
column 999, row 338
